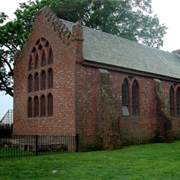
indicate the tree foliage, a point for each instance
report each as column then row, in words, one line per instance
column 131, row 19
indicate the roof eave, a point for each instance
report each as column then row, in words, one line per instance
column 129, row 71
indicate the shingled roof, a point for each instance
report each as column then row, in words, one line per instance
column 101, row 47
column 110, row 50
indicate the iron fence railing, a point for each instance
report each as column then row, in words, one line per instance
column 7, row 118
column 6, row 125
column 6, row 130
column 28, row 145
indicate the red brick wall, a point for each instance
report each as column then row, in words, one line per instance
column 76, row 92
column 134, row 129
column 63, row 119
column 175, row 120
column 87, row 87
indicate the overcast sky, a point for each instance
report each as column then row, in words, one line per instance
column 167, row 11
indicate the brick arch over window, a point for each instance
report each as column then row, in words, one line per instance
column 50, row 104
column 125, row 98
column 135, row 98
column 171, row 101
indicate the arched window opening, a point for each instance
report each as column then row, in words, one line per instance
column 46, row 44
column 178, row 102
column 30, row 63
column 40, row 46
column 36, row 82
column 33, row 50
column 40, row 77
column 50, row 56
column 36, row 61
column 171, row 101
column 135, row 100
column 50, row 105
column 50, row 78
column 43, row 80
column 43, row 106
column 30, row 83
column 43, row 40
column 30, row 107
column 36, row 106
column 38, row 41
column 125, row 98
column 43, row 59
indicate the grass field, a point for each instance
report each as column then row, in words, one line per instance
column 150, row 161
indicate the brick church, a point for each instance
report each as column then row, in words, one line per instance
column 71, row 79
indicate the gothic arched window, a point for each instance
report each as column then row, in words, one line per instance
column 40, row 77
column 171, row 101
column 43, row 80
column 50, row 105
column 135, row 100
column 125, row 98
column 36, row 61
column 50, row 57
column 43, row 59
column 30, row 83
column 50, row 78
column 29, row 107
column 36, row 82
column 36, row 106
column 30, row 63
column 178, row 101
column 43, row 105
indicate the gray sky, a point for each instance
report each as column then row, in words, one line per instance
column 167, row 11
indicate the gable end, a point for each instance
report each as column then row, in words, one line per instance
column 67, row 34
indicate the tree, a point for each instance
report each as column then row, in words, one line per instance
column 131, row 19
column 6, row 53
column 12, row 37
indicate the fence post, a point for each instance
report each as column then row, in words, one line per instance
column 36, row 145
column 77, row 142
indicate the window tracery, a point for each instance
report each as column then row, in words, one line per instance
column 40, row 78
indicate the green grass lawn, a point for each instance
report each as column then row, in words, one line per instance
column 150, row 161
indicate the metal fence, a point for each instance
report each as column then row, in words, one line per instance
column 6, row 130
column 8, row 117
column 6, row 124
column 28, row 145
